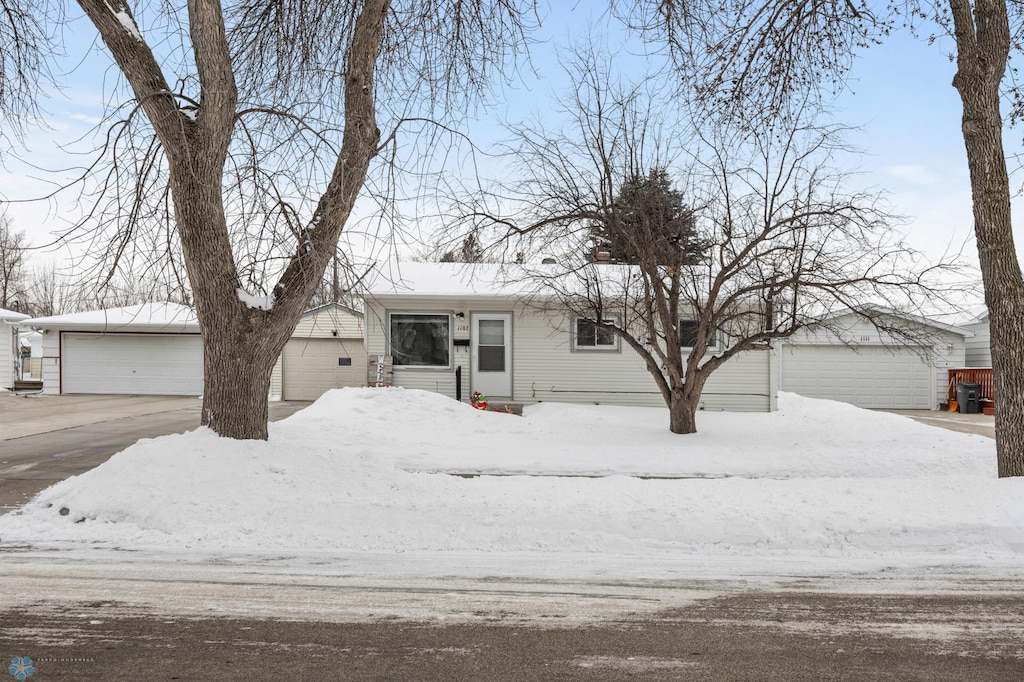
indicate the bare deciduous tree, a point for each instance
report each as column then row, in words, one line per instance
column 751, row 56
column 12, row 264
column 49, row 293
column 251, row 130
column 782, row 242
column 26, row 43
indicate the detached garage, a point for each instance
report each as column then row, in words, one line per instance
column 848, row 359
column 326, row 351
column 148, row 349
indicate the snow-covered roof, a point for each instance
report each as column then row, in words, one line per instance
column 10, row 315
column 437, row 280
column 441, row 279
column 980, row 317
column 159, row 316
column 909, row 317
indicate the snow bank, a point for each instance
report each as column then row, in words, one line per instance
column 371, row 469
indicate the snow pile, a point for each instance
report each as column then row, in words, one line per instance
column 373, row 469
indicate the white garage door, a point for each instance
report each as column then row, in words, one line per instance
column 870, row 377
column 132, row 364
column 311, row 367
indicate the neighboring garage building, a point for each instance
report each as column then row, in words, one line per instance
column 326, row 351
column 156, row 349
column 148, row 349
column 853, row 361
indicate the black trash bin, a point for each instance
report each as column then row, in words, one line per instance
column 967, row 394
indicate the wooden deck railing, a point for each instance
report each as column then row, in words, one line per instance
column 977, row 375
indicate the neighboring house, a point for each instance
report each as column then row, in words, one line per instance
column 148, row 349
column 9, row 347
column 979, row 353
column 325, row 351
column 442, row 320
column 851, row 361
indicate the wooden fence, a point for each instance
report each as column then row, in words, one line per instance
column 977, row 375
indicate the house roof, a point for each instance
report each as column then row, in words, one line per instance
column 980, row 317
column 10, row 315
column 918, row 319
column 440, row 280
column 150, row 317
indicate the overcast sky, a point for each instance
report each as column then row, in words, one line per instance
column 900, row 95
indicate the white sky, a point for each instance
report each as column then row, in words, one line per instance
column 901, row 96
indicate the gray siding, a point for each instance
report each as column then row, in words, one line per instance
column 545, row 368
column 979, row 354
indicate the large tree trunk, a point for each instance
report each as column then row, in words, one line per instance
column 682, row 410
column 239, row 360
column 983, row 43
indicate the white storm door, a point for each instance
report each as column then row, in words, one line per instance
column 491, row 349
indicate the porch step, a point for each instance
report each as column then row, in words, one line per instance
column 27, row 385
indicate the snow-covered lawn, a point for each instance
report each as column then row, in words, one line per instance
column 371, row 470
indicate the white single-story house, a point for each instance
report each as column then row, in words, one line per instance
column 979, row 351
column 147, row 349
column 9, row 347
column 851, row 361
column 325, row 351
column 440, row 321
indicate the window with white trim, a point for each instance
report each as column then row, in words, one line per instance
column 420, row 339
column 589, row 336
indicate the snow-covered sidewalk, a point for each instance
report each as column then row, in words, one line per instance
column 369, row 470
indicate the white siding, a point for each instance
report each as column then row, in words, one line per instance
column 545, row 368
column 319, row 324
column 979, row 353
column 944, row 349
column 8, row 346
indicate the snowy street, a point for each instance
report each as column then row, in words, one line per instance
column 88, row 614
column 455, row 587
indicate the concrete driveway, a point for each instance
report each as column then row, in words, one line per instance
column 45, row 439
column 979, row 424
column 28, row 415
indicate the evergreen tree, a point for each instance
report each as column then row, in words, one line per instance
column 650, row 223
column 470, row 252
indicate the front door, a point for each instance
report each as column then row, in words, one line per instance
column 491, row 346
